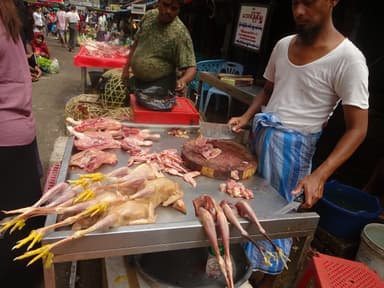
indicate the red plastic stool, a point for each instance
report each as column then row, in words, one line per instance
column 326, row 271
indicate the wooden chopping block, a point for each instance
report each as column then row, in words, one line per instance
column 234, row 156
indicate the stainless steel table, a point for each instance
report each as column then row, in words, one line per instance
column 173, row 230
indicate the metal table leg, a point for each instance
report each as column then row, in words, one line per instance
column 84, row 79
column 49, row 277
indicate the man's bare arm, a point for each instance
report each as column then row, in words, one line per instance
column 188, row 75
column 125, row 74
column 356, row 122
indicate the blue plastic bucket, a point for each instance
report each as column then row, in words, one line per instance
column 345, row 210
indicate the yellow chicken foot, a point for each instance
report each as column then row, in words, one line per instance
column 85, row 196
column 44, row 251
column 85, row 179
column 13, row 224
column 33, row 237
column 41, row 253
column 95, row 209
column 79, row 182
column 94, row 177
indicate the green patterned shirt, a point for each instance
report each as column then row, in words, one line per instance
column 161, row 48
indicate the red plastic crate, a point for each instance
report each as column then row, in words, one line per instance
column 325, row 271
column 184, row 112
column 52, row 174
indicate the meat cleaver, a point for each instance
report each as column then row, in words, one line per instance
column 213, row 130
column 292, row 206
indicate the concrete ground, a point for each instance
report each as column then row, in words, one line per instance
column 50, row 94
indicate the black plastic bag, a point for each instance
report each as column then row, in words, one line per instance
column 155, row 98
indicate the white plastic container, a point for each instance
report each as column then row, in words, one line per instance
column 371, row 249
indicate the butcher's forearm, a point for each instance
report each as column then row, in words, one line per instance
column 188, row 75
column 132, row 49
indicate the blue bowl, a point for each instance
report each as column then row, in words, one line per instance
column 345, row 210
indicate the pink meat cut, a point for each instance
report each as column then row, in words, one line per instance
column 95, row 124
column 91, row 159
column 91, row 139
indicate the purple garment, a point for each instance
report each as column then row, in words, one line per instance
column 17, row 124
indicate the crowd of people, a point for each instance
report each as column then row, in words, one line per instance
column 69, row 26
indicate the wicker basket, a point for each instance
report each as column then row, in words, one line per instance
column 113, row 92
column 85, row 106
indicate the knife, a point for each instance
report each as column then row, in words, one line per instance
column 215, row 130
column 292, row 206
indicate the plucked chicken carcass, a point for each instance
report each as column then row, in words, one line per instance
column 212, row 215
column 97, row 203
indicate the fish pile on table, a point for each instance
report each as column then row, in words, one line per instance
column 96, row 202
column 104, row 50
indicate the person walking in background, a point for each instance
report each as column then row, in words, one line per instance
column 51, row 20
column 154, row 64
column 72, row 18
column 307, row 75
column 19, row 172
column 101, row 27
column 38, row 20
column 61, row 26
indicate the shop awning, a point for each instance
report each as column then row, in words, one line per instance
column 45, row 2
column 52, row 1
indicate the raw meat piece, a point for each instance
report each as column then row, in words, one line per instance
column 94, row 124
column 91, row 159
column 91, row 139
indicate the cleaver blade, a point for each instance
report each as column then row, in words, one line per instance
column 213, row 130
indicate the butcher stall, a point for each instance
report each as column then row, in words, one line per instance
column 93, row 54
column 173, row 230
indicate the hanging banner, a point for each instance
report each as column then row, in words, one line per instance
column 250, row 26
column 138, row 9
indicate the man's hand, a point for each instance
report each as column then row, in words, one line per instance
column 125, row 74
column 181, row 87
column 313, row 187
column 237, row 123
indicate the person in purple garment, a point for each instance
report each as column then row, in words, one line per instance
column 19, row 173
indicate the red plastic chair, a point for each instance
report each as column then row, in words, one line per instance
column 326, row 271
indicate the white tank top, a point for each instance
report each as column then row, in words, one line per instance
column 305, row 96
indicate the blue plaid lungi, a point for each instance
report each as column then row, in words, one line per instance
column 284, row 157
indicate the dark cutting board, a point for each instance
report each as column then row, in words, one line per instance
column 234, row 156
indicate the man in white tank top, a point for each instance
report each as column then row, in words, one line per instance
column 307, row 75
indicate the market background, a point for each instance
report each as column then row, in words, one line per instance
column 53, row 91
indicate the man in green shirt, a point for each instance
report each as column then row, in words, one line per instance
column 162, row 46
